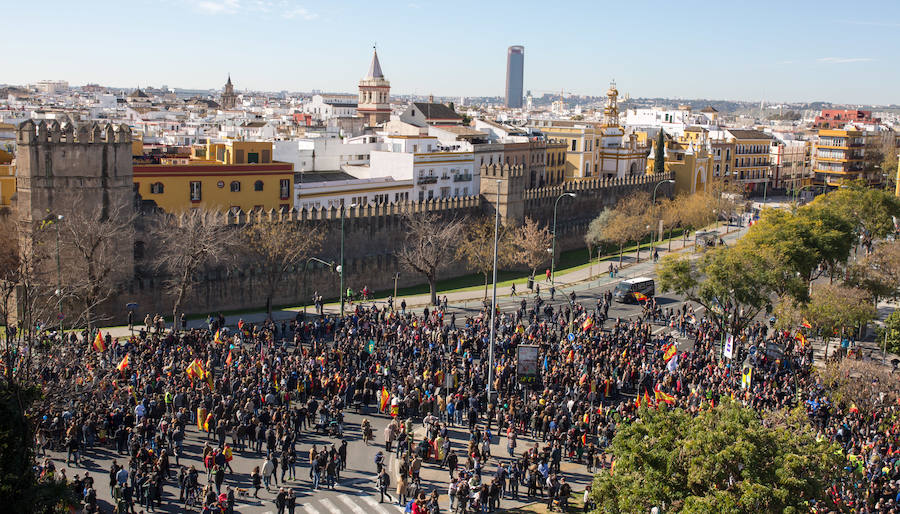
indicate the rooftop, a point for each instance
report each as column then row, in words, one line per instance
column 749, row 134
column 435, row 111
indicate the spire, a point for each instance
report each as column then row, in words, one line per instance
column 375, row 67
column 229, row 80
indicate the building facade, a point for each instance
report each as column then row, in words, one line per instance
column 229, row 99
column 235, row 175
column 515, row 76
column 839, row 156
column 837, row 118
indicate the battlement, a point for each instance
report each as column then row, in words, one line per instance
column 595, row 184
column 29, row 133
column 502, row 171
column 393, row 210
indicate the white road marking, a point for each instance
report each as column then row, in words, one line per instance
column 374, row 504
column 350, row 503
column 309, row 508
column 330, row 506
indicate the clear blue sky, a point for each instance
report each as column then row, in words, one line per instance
column 787, row 50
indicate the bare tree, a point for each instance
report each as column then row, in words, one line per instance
column 630, row 220
column 598, row 231
column 530, row 244
column 185, row 245
column 429, row 246
column 91, row 249
column 476, row 246
column 277, row 246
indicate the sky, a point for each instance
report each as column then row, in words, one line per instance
column 779, row 51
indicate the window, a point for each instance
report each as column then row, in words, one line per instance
column 195, row 191
column 258, row 185
column 421, row 196
column 465, row 191
column 239, row 157
column 430, row 194
column 574, row 145
column 235, row 186
column 284, row 188
column 157, row 188
column 252, row 158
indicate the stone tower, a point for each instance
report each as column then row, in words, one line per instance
column 503, row 186
column 229, row 99
column 62, row 167
column 611, row 110
column 374, row 104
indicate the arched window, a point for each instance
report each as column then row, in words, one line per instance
column 157, row 188
column 235, row 186
column 258, row 185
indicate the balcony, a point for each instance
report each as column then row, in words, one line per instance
column 427, row 180
column 462, row 178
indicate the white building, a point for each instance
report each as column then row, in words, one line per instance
column 326, row 107
column 333, row 189
column 326, row 153
column 52, row 87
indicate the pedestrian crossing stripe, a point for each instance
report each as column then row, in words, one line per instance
column 375, row 505
column 353, row 506
column 330, row 506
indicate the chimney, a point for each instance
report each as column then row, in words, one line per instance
column 431, row 99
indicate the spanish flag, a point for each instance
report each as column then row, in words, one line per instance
column 124, row 364
column 99, row 342
column 663, row 396
column 228, row 360
column 641, row 297
column 228, row 454
column 385, row 398
column 218, row 338
column 637, row 401
column 800, row 337
column 195, row 370
column 571, row 357
column 806, row 323
column 395, row 409
column 854, row 409
column 646, row 398
column 669, row 351
column 588, row 323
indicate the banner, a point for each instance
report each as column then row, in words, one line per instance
column 527, row 363
column 728, row 351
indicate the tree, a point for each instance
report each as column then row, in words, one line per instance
column 889, row 159
column 878, row 273
column 732, row 283
column 476, row 247
column 725, row 459
column 277, row 247
column 530, row 243
column 91, row 237
column 598, row 231
column 889, row 336
column 659, row 157
column 630, row 221
column 429, row 246
column 870, row 212
column 833, row 309
column 187, row 244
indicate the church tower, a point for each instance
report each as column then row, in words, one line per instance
column 611, row 111
column 229, row 99
column 374, row 102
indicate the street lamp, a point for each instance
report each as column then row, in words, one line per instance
column 59, row 218
column 553, row 250
column 653, row 203
column 306, row 282
column 494, row 296
column 341, row 266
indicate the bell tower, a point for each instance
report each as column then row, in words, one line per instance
column 611, row 111
column 229, row 99
column 374, row 104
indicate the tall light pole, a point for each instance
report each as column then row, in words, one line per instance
column 553, row 250
column 490, row 379
column 341, row 266
column 59, row 316
column 653, row 204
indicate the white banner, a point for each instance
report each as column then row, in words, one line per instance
column 729, row 346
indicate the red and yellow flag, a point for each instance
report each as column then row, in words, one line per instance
column 669, row 351
column 646, row 398
column 641, row 297
column 588, row 323
column 800, row 337
column 195, row 370
column 218, row 338
column 99, row 343
column 806, row 323
column 385, row 398
column 664, row 397
column 228, row 360
column 124, row 364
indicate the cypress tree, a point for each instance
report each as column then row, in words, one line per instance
column 659, row 162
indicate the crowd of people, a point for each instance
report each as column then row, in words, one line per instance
column 256, row 389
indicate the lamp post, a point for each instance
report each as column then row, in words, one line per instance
column 553, row 249
column 306, row 282
column 59, row 316
column 490, row 379
column 341, row 266
column 653, row 204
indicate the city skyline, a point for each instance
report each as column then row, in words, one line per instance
column 777, row 53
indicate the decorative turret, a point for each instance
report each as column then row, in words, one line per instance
column 611, row 111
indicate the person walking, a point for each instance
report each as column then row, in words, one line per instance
column 256, row 479
column 267, row 470
column 384, row 481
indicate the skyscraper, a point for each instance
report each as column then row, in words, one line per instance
column 515, row 70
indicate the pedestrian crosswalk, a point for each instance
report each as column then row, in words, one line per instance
column 347, row 504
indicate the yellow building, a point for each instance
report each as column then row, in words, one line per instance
column 689, row 159
column 839, row 155
column 7, row 179
column 218, row 176
column 597, row 150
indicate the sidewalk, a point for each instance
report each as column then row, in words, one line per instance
column 589, row 276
